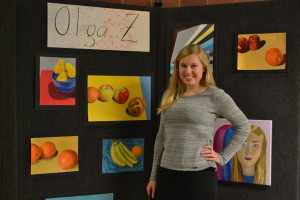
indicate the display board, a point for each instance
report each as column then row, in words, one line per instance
column 271, row 95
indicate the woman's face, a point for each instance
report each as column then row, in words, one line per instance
column 249, row 153
column 191, row 70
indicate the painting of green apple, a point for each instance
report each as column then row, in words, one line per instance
column 118, row 98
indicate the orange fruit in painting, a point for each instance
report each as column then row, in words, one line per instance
column 67, row 159
column 48, row 149
column 35, row 153
column 137, row 150
column 274, row 57
column 93, row 94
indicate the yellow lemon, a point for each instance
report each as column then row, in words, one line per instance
column 62, row 77
column 60, row 66
column 71, row 70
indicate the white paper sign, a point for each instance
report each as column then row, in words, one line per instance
column 84, row 27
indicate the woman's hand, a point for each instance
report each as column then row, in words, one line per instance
column 151, row 187
column 210, row 154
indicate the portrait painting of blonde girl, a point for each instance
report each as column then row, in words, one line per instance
column 252, row 163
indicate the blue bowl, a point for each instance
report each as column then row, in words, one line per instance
column 64, row 87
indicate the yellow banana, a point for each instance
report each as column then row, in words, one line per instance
column 127, row 153
column 115, row 156
column 121, row 155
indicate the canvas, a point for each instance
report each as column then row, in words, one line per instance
column 118, row 98
column 116, row 159
column 54, row 155
column 262, row 51
column 252, row 163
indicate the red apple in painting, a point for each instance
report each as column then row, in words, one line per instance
column 106, row 92
column 254, row 41
column 242, row 44
column 136, row 107
column 121, row 95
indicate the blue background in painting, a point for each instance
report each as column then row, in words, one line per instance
column 109, row 196
column 145, row 82
column 108, row 166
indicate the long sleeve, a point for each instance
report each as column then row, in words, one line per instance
column 227, row 108
column 158, row 149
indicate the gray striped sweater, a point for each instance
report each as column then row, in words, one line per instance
column 188, row 125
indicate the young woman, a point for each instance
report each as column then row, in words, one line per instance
column 249, row 163
column 184, row 161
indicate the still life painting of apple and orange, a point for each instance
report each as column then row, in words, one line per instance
column 57, row 81
column 118, row 98
column 54, row 155
column 261, row 51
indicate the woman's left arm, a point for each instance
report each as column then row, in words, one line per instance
column 226, row 107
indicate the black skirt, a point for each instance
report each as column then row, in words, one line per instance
column 189, row 185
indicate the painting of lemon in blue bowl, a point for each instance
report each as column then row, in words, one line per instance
column 57, row 81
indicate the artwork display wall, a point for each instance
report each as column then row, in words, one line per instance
column 252, row 162
column 109, row 97
column 86, row 89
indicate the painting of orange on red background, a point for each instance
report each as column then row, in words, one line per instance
column 54, row 155
column 262, row 51
column 56, row 81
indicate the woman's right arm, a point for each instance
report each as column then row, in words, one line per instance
column 158, row 150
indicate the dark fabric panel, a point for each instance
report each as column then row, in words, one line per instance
column 8, row 156
column 261, row 95
column 32, row 39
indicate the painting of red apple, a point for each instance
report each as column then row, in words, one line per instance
column 254, row 42
column 262, row 51
column 106, row 92
column 121, row 98
column 121, row 95
column 136, row 107
column 242, row 44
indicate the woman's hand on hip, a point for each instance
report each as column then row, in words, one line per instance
column 151, row 188
column 210, row 154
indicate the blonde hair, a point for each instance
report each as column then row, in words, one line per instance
column 176, row 86
column 260, row 167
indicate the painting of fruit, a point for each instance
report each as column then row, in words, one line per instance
column 137, row 150
column 48, row 149
column 106, row 92
column 274, row 57
column 121, row 95
column 93, row 94
column 54, row 155
column 117, row 155
column 121, row 98
column 35, row 153
column 68, row 159
column 253, row 42
column 136, row 107
column 57, row 81
column 242, row 44
column 266, row 51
